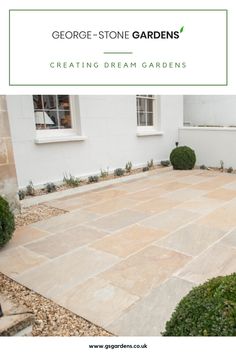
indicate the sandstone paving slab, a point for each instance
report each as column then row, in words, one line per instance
column 184, row 194
column 70, row 203
column 16, row 318
column 97, row 300
column 25, row 235
column 227, row 177
column 201, row 205
column 103, row 195
column 223, row 218
column 148, row 316
column 9, row 307
column 148, row 268
column 222, row 194
column 212, row 183
column 181, row 173
column 65, row 221
column 147, row 194
column 18, row 260
column 174, row 186
column 116, row 221
column 63, row 242
column 156, row 205
column 156, row 181
column 129, row 240
column 230, row 239
column 219, row 259
column 231, row 205
column 192, row 179
column 207, row 173
column 170, row 219
column 131, row 186
column 111, row 206
column 230, row 186
column 59, row 275
column 191, row 239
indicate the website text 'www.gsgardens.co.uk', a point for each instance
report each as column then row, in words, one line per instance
column 118, row 346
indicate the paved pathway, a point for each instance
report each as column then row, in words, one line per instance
column 125, row 255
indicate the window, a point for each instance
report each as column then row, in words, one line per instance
column 146, row 110
column 52, row 112
column 57, row 118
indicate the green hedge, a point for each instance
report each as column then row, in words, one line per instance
column 7, row 222
column 183, row 158
column 208, row 310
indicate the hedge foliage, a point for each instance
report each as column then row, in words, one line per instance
column 208, row 310
column 183, row 158
column 7, row 222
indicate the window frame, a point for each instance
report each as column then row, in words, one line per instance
column 50, row 133
column 156, row 104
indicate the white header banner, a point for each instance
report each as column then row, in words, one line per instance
column 116, row 47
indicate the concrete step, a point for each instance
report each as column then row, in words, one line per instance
column 16, row 320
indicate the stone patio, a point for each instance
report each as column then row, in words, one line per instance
column 123, row 256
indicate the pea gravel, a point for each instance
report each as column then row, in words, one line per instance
column 50, row 318
column 36, row 213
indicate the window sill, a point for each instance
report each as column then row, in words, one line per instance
column 149, row 133
column 59, row 139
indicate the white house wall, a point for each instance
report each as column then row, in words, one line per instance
column 210, row 110
column 108, row 122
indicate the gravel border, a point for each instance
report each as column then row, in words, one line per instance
column 50, row 318
column 36, row 213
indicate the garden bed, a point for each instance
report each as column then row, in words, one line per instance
column 42, row 197
column 70, row 182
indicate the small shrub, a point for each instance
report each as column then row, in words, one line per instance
column 165, row 163
column 128, row 167
column 119, row 172
column 145, row 169
column 150, row 164
column 7, row 222
column 203, row 167
column 22, row 194
column 230, row 169
column 103, row 173
column 30, row 190
column 183, row 158
column 71, row 181
column 207, row 310
column 50, row 187
column 93, row 179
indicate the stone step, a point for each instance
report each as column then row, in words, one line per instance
column 16, row 320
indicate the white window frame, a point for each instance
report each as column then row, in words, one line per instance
column 67, row 134
column 152, row 129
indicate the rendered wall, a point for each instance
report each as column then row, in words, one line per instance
column 210, row 110
column 211, row 145
column 214, row 143
column 109, row 122
column 8, row 181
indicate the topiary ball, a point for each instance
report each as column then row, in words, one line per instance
column 208, row 310
column 183, row 158
column 7, row 222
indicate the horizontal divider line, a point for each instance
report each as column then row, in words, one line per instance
column 117, row 52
